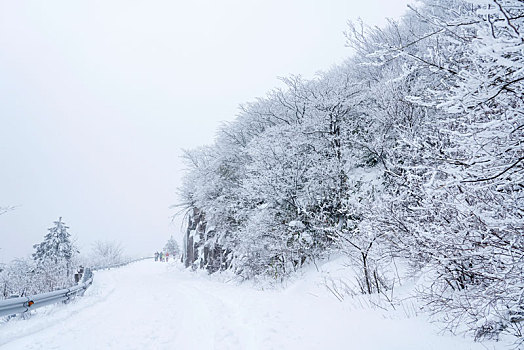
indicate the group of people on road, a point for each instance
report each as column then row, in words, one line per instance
column 162, row 256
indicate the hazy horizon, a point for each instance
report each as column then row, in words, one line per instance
column 99, row 99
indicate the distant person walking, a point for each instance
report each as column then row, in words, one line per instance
column 156, row 256
column 161, row 256
column 167, row 256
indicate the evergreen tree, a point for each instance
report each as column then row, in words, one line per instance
column 171, row 247
column 54, row 255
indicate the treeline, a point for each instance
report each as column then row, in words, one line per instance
column 414, row 148
column 54, row 263
column 52, row 266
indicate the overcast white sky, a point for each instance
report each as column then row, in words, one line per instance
column 98, row 97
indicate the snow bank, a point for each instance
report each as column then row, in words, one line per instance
column 155, row 305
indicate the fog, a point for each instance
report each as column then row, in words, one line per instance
column 98, row 98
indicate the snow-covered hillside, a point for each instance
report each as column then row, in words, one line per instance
column 149, row 305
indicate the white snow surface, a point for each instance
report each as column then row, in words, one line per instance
column 153, row 305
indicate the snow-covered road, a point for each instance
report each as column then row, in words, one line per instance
column 150, row 305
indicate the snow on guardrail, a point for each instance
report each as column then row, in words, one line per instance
column 98, row 268
column 23, row 304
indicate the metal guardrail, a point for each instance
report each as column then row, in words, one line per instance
column 98, row 268
column 23, row 304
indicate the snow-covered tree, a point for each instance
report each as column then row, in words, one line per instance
column 54, row 257
column 19, row 278
column 171, row 247
column 106, row 253
column 413, row 147
column 455, row 195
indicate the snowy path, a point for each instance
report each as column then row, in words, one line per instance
column 150, row 305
